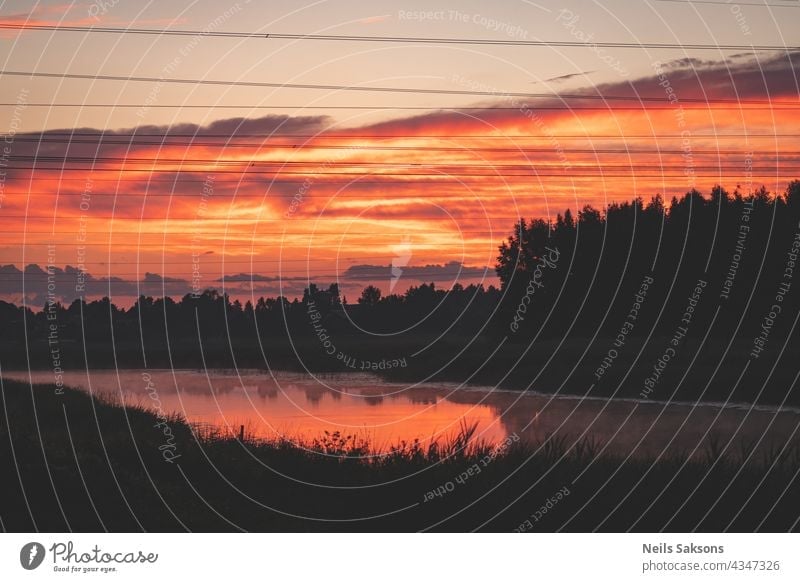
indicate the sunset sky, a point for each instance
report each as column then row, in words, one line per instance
column 150, row 184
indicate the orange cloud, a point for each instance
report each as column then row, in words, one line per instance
column 283, row 196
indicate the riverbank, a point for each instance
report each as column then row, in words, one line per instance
column 76, row 462
column 701, row 372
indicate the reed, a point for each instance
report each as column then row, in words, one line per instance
column 81, row 463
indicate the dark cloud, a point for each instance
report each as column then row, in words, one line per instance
column 94, row 143
column 749, row 55
column 689, row 63
column 155, row 278
column 233, row 127
column 255, row 277
column 288, row 287
column 561, row 78
column 69, row 283
column 446, row 272
column 747, row 75
column 761, row 77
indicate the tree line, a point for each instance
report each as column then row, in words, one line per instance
column 568, row 286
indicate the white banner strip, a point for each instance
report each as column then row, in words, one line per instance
column 399, row 557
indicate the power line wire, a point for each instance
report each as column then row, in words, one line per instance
column 176, row 247
column 313, row 164
column 364, row 196
column 46, row 135
column 387, row 107
column 207, row 259
column 532, row 173
column 530, row 168
column 531, row 178
column 415, row 149
column 232, row 221
column 379, row 89
column 382, row 39
column 732, row 3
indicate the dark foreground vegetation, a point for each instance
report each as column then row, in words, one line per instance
column 71, row 462
column 695, row 299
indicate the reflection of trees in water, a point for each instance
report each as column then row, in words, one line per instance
column 314, row 393
column 201, row 387
column 268, row 392
column 373, row 399
column 424, row 399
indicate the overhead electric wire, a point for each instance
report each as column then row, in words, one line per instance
column 382, row 39
column 516, row 150
column 380, row 89
column 532, row 178
column 233, row 220
column 388, row 107
column 529, row 173
column 45, row 135
column 208, row 259
column 733, row 3
column 270, row 244
column 395, row 197
column 223, row 234
column 313, row 164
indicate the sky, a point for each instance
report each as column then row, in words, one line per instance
column 156, row 187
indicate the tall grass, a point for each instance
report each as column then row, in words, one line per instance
column 335, row 481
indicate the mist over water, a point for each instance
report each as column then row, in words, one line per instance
column 299, row 407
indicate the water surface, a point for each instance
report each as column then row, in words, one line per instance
column 299, row 406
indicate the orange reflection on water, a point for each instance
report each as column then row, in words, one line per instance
column 378, row 414
column 296, row 407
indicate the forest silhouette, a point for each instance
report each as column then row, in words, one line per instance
column 628, row 300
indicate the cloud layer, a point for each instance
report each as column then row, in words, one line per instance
column 292, row 195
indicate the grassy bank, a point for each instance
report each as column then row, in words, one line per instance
column 71, row 461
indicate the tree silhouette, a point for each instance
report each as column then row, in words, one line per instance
column 370, row 296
